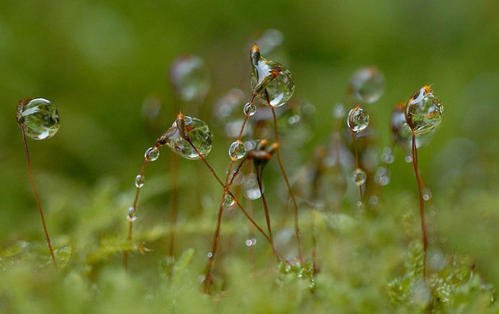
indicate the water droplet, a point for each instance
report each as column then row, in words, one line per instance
column 423, row 111
column 294, row 120
column 249, row 109
column 359, row 176
column 251, row 190
column 408, row 159
column 426, row 194
column 270, row 40
column 198, row 133
column 339, row 111
column 381, row 177
column 190, row 78
column 358, row 119
column 387, row 155
column 131, row 215
column 367, row 84
column 237, row 150
column 271, row 80
column 250, row 242
column 227, row 104
column 210, row 254
column 228, row 201
column 139, row 181
column 39, row 118
column 152, row 154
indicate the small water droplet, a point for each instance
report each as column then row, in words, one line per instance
column 426, row 194
column 339, row 111
column 387, row 155
column 381, row 177
column 408, row 159
column 271, row 80
column 358, row 119
column 368, row 84
column 294, row 120
column 197, row 131
column 249, row 109
column 152, row 154
column 250, row 242
column 39, row 118
column 423, row 111
column 139, row 181
column 228, row 201
column 131, row 218
column 210, row 254
column 251, row 190
column 190, row 78
column 237, row 150
column 359, row 176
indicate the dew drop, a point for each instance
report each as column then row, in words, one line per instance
column 359, row 176
column 408, row 159
column 250, row 242
column 197, row 131
column 271, row 80
column 367, row 84
column 358, row 119
column 294, row 120
column 426, row 194
column 237, row 150
column 39, row 118
column 139, row 181
column 339, row 111
column 228, row 201
column 381, row 177
column 249, row 109
column 423, row 111
column 387, row 155
column 251, row 189
column 190, row 78
column 131, row 218
column 210, row 254
column 152, row 154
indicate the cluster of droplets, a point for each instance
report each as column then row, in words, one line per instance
column 190, row 78
column 39, row 118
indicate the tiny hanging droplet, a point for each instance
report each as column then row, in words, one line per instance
column 270, row 80
column 381, row 177
column 190, row 78
column 426, row 194
column 39, row 118
column 185, row 131
column 237, row 150
column 228, row 201
column 358, row 119
column 152, row 154
column 139, row 181
column 359, row 176
column 423, row 111
column 251, row 190
column 249, row 109
column 367, row 84
column 250, row 242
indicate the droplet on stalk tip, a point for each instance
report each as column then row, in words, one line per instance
column 358, row 119
column 39, row 118
column 190, row 78
column 423, row 111
column 139, row 181
column 270, row 79
column 367, row 84
column 237, row 150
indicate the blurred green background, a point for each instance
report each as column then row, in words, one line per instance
column 99, row 60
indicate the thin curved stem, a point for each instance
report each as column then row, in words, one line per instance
column 131, row 214
column 173, row 205
column 37, row 196
column 286, row 180
column 424, row 233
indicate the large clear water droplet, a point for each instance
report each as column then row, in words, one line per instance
column 152, row 154
column 190, row 78
column 271, row 81
column 401, row 132
column 39, row 118
column 249, row 109
column 359, row 176
column 237, row 150
column 358, row 119
column 423, row 111
column 187, row 129
column 367, row 84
